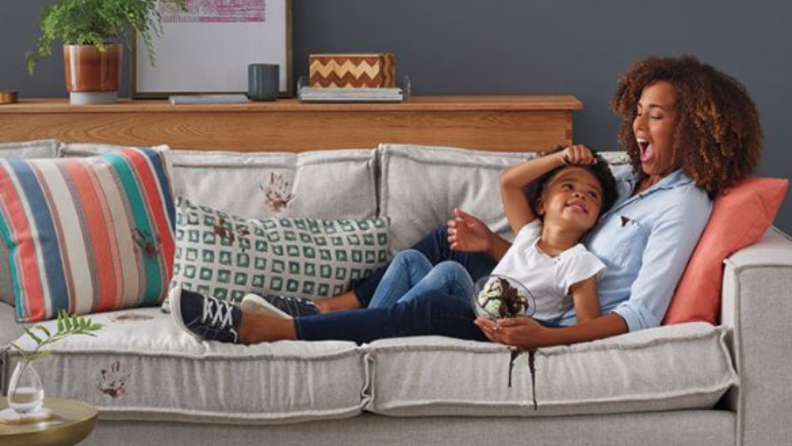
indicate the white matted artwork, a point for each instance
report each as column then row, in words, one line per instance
column 207, row 48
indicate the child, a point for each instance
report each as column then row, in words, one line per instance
column 568, row 190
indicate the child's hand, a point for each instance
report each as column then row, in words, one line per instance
column 467, row 233
column 578, row 154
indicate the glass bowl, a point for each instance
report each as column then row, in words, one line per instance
column 498, row 297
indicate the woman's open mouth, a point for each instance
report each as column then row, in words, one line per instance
column 646, row 148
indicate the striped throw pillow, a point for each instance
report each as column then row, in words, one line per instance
column 88, row 235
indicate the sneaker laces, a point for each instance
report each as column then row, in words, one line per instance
column 219, row 312
column 305, row 301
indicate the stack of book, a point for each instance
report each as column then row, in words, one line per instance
column 191, row 99
column 321, row 94
column 307, row 93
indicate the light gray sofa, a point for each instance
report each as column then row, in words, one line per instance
column 690, row 384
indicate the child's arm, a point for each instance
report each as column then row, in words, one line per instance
column 514, row 180
column 584, row 297
column 467, row 233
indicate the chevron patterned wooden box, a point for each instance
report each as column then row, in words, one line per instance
column 352, row 70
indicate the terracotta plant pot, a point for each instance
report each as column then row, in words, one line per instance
column 93, row 76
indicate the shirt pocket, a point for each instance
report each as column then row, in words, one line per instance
column 630, row 239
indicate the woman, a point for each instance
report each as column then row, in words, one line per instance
column 690, row 132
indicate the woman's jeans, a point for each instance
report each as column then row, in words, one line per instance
column 431, row 313
column 428, row 311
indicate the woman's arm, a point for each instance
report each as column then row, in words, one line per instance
column 527, row 334
column 514, row 180
column 584, row 297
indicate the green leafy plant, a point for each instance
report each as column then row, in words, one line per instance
column 68, row 325
column 99, row 23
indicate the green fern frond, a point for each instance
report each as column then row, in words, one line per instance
column 67, row 325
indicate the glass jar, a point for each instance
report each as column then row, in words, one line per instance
column 25, row 391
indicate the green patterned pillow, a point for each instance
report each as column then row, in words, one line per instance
column 227, row 257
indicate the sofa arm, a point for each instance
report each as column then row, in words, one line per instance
column 9, row 332
column 757, row 305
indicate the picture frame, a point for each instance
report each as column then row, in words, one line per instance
column 207, row 49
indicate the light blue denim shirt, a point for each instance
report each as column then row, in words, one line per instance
column 645, row 242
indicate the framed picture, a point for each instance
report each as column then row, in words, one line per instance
column 207, row 49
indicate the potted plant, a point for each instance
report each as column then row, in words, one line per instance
column 25, row 391
column 92, row 32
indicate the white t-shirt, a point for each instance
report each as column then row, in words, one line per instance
column 548, row 278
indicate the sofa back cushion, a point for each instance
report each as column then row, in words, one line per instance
column 88, row 235
column 45, row 148
column 322, row 184
column 25, row 150
column 421, row 185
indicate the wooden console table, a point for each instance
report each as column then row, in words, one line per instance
column 498, row 123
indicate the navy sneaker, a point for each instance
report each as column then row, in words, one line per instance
column 205, row 317
column 279, row 306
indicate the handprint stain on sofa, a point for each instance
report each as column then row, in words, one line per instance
column 277, row 194
column 112, row 381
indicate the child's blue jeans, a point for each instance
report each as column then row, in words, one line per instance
column 434, row 246
column 424, row 312
column 410, row 275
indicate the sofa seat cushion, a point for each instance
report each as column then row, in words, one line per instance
column 141, row 366
column 328, row 184
column 685, row 366
column 436, row 376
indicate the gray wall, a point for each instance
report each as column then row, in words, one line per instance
column 463, row 47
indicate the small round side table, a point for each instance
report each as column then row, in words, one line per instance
column 72, row 421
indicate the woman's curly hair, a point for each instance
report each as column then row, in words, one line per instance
column 718, row 139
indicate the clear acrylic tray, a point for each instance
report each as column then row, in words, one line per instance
column 308, row 94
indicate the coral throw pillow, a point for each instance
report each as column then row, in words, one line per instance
column 739, row 217
column 87, row 235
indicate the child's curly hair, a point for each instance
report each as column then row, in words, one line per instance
column 718, row 139
column 600, row 170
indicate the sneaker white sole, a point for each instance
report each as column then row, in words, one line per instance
column 174, row 297
column 254, row 303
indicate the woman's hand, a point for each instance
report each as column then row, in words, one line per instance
column 467, row 233
column 578, row 154
column 521, row 332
